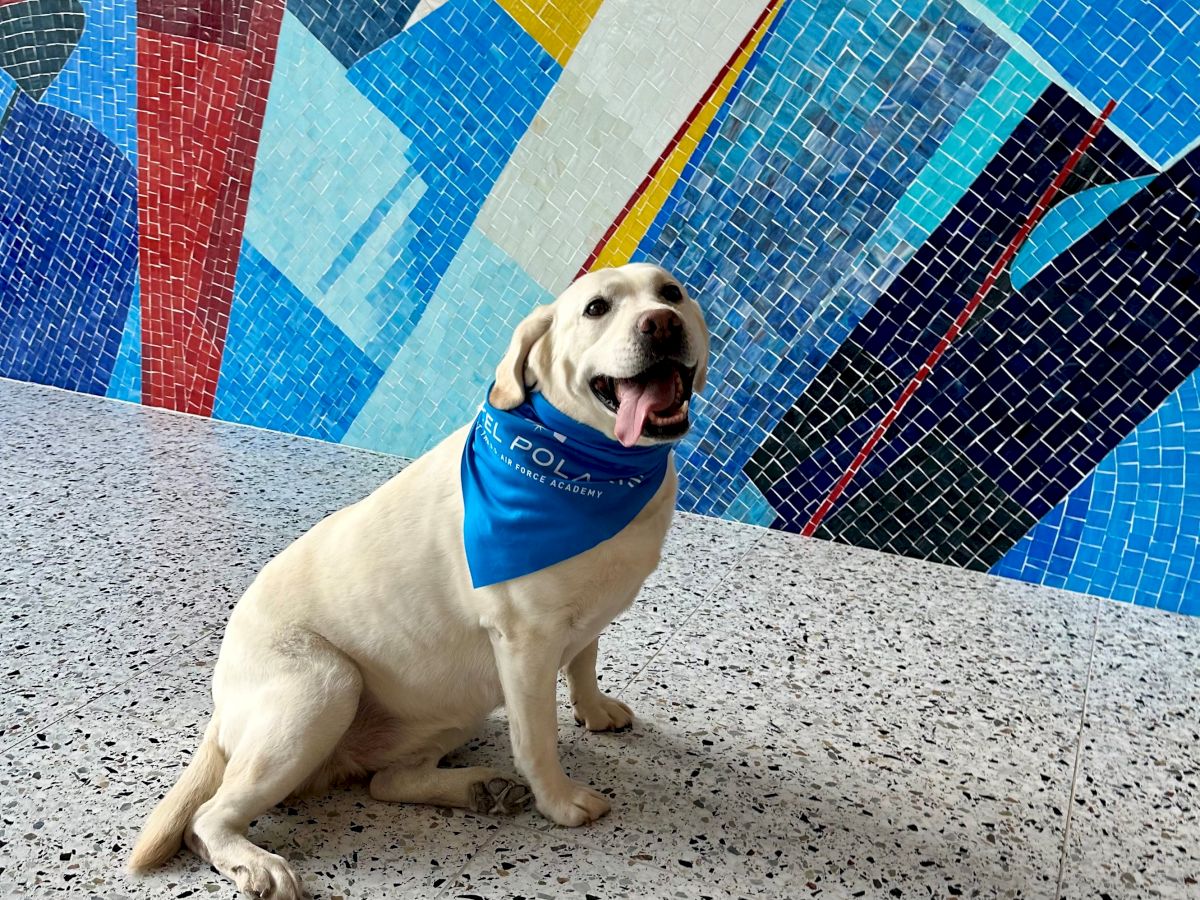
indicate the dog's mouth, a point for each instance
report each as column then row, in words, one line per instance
column 653, row 403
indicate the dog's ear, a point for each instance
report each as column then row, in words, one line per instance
column 509, row 390
column 701, row 378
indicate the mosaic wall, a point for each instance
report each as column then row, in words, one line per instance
column 949, row 250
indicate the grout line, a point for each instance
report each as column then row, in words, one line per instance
column 750, row 42
column 1087, row 687
column 692, row 612
column 960, row 323
column 141, row 673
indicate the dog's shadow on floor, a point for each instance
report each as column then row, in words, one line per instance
column 656, row 778
column 676, row 793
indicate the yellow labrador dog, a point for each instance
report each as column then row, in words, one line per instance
column 367, row 648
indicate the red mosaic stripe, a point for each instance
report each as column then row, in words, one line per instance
column 200, row 110
column 960, row 322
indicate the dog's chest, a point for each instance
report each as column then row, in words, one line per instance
column 607, row 584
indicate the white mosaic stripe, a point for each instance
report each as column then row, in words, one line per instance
column 637, row 73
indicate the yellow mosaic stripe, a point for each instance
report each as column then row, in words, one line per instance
column 555, row 24
column 634, row 226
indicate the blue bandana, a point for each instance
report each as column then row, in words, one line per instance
column 539, row 487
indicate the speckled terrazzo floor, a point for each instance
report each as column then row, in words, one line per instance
column 814, row 720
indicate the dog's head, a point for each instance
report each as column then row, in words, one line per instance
column 620, row 350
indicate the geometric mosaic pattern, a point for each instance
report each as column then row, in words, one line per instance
column 1005, row 377
column 203, row 76
column 34, row 64
column 1130, row 527
column 326, row 219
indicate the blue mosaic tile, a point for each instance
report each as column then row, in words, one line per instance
column 286, row 366
column 1130, row 529
column 63, row 185
column 99, row 81
column 954, row 57
column 462, row 86
column 1141, row 52
column 126, row 380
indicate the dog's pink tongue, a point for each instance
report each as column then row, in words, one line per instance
column 637, row 402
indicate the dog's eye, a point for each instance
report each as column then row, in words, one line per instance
column 596, row 308
column 671, row 293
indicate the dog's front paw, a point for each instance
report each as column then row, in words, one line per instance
column 572, row 805
column 603, row 714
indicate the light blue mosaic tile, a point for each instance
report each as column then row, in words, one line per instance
column 286, row 366
column 126, row 381
column 423, row 395
column 1129, row 531
column 1067, row 222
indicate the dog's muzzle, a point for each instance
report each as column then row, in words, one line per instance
column 653, row 403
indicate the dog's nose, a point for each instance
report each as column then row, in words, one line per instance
column 662, row 326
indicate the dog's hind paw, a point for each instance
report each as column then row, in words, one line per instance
column 266, row 876
column 500, row 797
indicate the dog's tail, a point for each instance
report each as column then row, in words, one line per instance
column 162, row 834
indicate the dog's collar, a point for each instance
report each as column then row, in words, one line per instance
column 539, row 487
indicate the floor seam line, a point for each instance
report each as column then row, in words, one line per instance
column 691, row 613
column 480, row 849
column 42, row 726
column 1087, row 688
